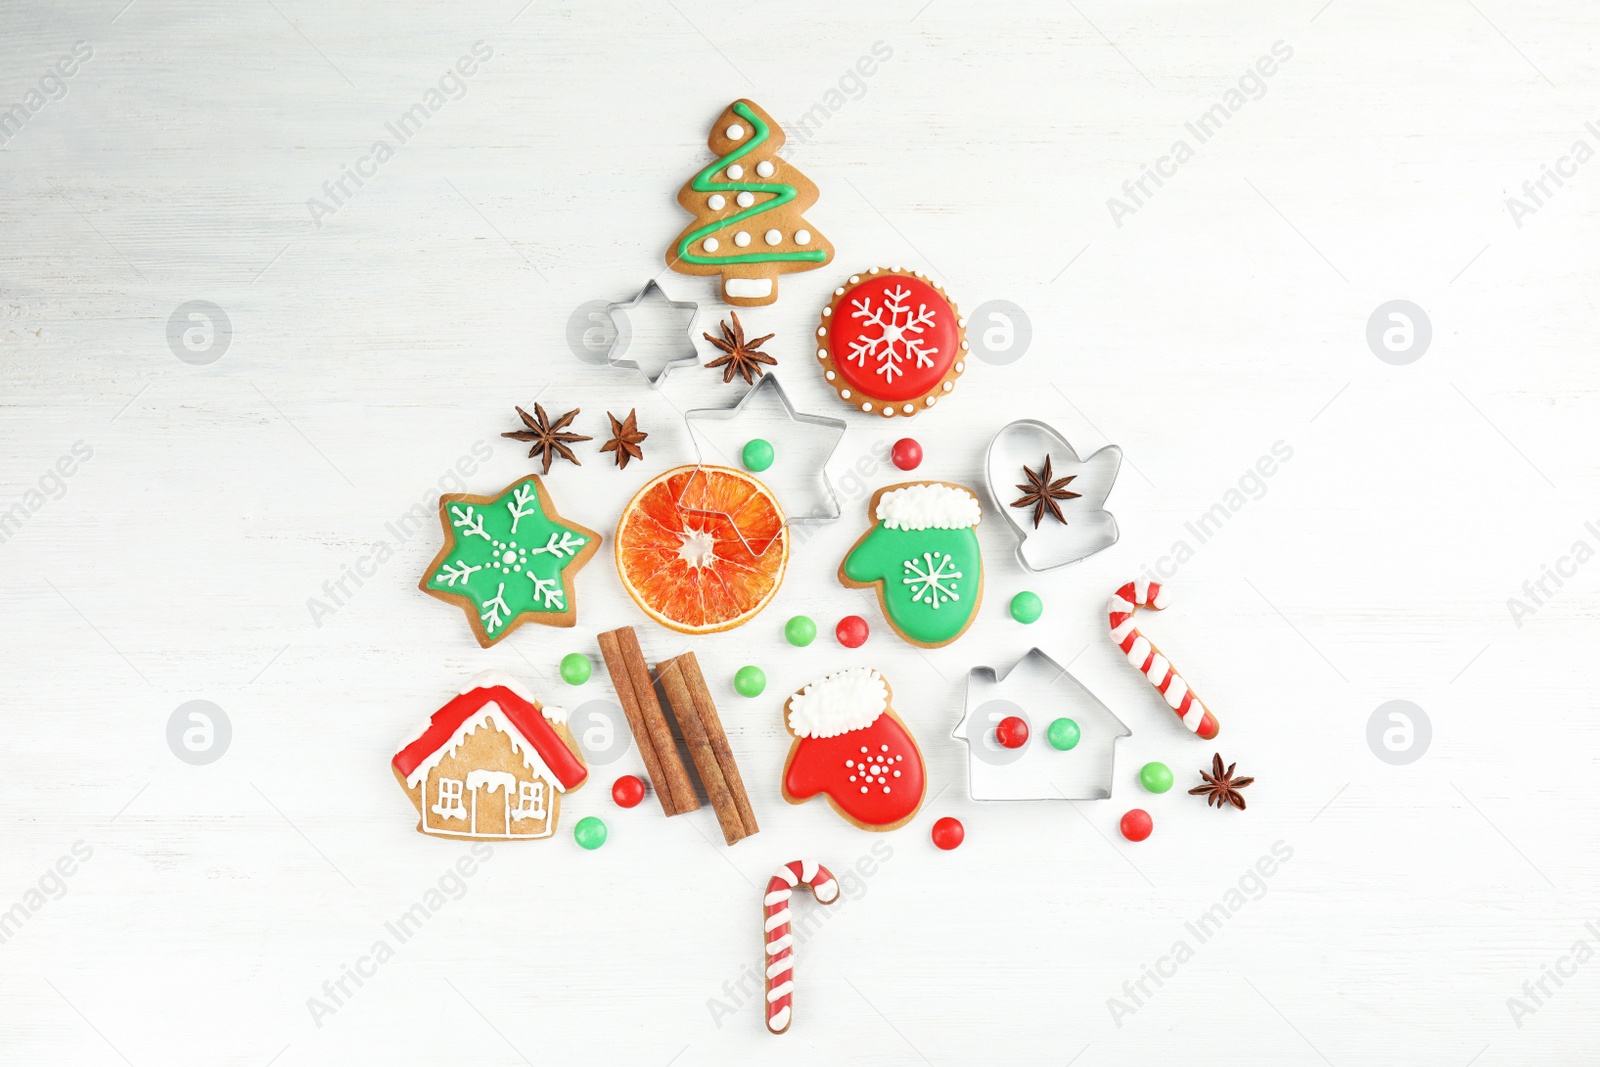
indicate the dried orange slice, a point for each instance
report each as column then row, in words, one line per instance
column 702, row 549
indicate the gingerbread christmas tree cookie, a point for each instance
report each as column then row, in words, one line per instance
column 747, row 205
column 508, row 559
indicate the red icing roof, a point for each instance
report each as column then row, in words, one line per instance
column 526, row 717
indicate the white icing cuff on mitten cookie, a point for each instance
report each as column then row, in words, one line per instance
column 929, row 506
column 851, row 699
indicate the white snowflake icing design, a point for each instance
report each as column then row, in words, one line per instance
column 899, row 333
column 930, row 581
column 495, row 610
column 522, row 504
column 466, row 519
column 874, row 768
column 510, row 556
column 456, row 572
column 564, row 544
column 549, row 592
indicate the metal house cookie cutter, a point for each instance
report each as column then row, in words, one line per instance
column 829, row 508
column 1037, row 690
column 690, row 353
column 1089, row 528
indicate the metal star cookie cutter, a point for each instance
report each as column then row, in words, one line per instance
column 624, row 325
column 825, row 431
column 1037, row 690
column 1089, row 527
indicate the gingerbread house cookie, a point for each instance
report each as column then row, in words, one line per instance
column 492, row 764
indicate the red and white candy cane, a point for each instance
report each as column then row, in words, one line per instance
column 1149, row 660
column 778, row 939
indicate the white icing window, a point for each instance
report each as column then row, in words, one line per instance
column 530, row 801
column 449, row 805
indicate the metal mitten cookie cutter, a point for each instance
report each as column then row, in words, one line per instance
column 802, row 443
column 671, row 356
column 1088, row 528
column 1038, row 691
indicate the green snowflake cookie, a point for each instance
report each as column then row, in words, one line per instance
column 922, row 554
column 508, row 559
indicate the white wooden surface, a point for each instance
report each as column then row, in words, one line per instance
column 372, row 352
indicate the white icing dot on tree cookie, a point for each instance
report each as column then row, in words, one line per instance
column 765, row 168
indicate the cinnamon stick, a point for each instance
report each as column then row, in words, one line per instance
column 655, row 721
column 704, row 709
column 705, row 760
column 622, row 681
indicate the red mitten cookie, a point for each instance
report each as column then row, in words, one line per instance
column 850, row 746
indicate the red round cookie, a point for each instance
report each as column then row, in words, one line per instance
column 891, row 342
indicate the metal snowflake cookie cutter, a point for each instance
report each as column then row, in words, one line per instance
column 625, row 330
column 767, row 395
column 1088, row 529
column 1037, row 690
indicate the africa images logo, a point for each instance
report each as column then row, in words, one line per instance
column 1252, row 85
column 51, row 86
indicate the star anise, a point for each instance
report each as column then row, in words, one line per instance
column 1221, row 786
column 547, row 437
column 1041, row 494
column 740, row 357
column 625, row 438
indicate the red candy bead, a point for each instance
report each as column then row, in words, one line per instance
column 627, row 791
column 948, row 833
column 1136, row 825
column 852, row 631
column 906, row 454
column 1012, row 732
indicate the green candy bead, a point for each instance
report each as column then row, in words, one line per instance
column 590, row 833
column 800, row 631
column 575, row 668
column 758, row 454
column 750, row 681
column 1063, row 735
column 1026, row 607
column 1155, row 777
